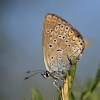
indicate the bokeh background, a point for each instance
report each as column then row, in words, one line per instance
column 21, row 43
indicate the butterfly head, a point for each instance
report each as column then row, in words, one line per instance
column 46, row 74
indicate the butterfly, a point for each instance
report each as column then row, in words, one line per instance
column 61, row 42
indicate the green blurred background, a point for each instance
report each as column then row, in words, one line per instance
column 21, row 43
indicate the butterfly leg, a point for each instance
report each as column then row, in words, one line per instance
column 56, row 85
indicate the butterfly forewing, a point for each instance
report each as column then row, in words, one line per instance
column 60, row 41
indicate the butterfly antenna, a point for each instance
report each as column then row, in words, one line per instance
column 37, row 71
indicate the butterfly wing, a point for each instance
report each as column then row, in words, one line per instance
column 61, row 41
